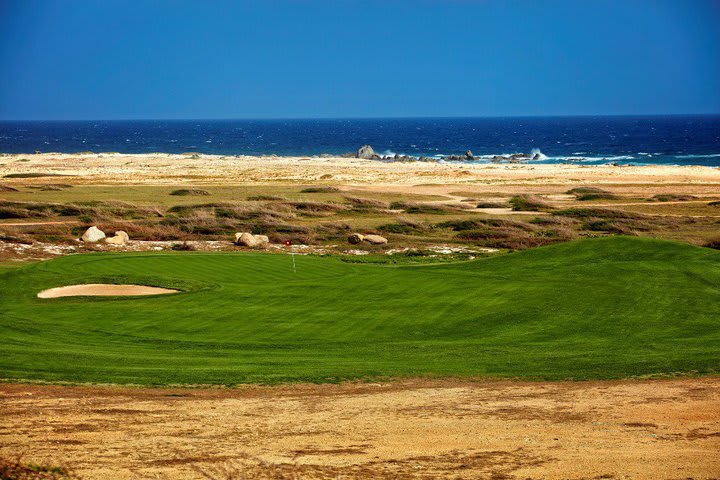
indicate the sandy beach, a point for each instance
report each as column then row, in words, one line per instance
column 227, row 170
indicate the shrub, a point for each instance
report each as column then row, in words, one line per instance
column 528, row 203
column 366, row 203
column 34, row 175
column 315, row 208
column 596, row 196
column 422, row 208
column 458, row 225
column 596, row 212
column 183, row 247
column 319, row 190
column 585, row 190
column 609, row 227
column 193, row 192
column 51, row 187
column 671, row 197
column 18, row 470
column 264, row 198
column 491, row 205
column 713, row 243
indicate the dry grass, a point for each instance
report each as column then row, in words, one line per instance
column 672, row 197
column 34, row 175
column 192, row 192
column 423, row 208
column 320, row 190
column 16, row 469
column 366, row 203
column 529, row 203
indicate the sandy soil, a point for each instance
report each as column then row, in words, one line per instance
column 215, row 169
column 650, row 429
column 103, row 290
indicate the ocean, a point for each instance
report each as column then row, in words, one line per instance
column 666, row 140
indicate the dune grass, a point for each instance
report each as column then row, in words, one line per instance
column 600, row 308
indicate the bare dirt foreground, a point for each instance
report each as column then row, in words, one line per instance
column 652, row 429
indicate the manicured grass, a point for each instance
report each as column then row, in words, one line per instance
column 600, row 308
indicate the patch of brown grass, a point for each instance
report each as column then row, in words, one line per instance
column 16, row 469
column 359, row 203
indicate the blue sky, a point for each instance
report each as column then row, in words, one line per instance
column 115, row 59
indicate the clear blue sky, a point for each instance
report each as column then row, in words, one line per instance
column 120, row 59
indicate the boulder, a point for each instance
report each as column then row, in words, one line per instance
column 92, row 235
column 375, row 239
column 366, row 152
column 246, row 239
column 120, row 238
column 469, row 155
column 355, row 238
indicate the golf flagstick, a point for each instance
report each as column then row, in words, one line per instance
column 292, row 254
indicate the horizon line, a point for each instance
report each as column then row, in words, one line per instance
column 410, row 117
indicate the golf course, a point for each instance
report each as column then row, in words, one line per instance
column 593, row 309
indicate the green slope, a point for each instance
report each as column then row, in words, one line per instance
column 601, row 308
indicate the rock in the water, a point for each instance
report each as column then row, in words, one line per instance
column 92, row 235
column 469, row 155
column 120, row 238
column 355, row 238
column 366, row 152
column 375, row 239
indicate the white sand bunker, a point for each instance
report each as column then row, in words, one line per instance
column 103, row 290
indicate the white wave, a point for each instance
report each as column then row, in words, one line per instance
column 541, row 156
column 709, row 155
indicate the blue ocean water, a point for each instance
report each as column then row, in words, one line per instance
column 679, row 139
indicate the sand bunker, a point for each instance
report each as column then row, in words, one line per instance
column 103, row 290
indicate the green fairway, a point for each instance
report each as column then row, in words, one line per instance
column 600, row 308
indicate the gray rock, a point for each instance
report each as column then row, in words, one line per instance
column 469, row 155
column 366, row 152
column 92, row 235
column 245, row 239
column 120, row 238
column 375, row 239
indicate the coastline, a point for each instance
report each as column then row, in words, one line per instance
column 186, row 169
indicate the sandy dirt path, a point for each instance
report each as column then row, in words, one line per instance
column 657, row 429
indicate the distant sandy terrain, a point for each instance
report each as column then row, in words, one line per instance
column 403, row 429
column 216, row 169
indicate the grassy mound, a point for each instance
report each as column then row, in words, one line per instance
column 192, row 192
column 601, row 308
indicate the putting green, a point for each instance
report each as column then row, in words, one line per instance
column 600, row 308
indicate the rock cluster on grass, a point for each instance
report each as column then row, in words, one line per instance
column 92, row 235
column 245, row 239
column 356, row 238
